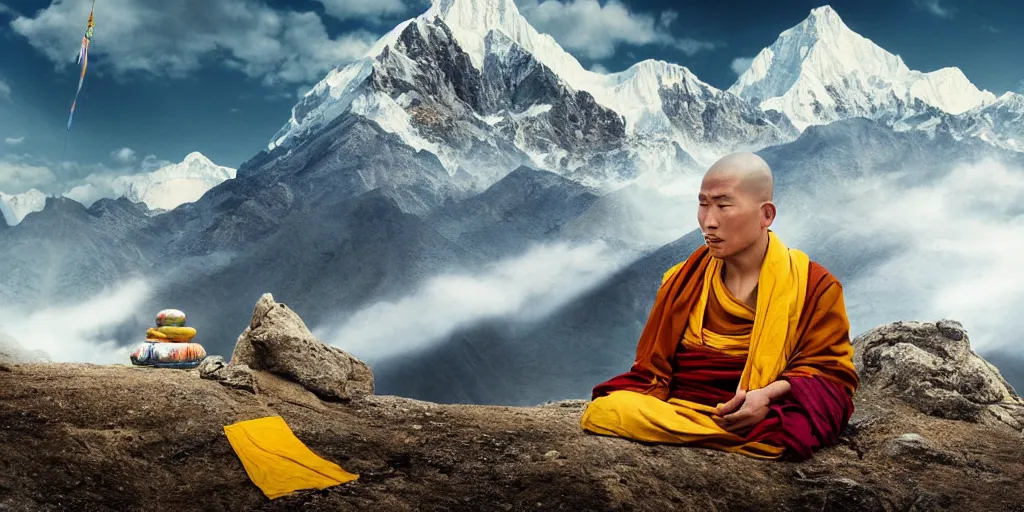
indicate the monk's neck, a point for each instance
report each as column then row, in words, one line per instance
column 745, row 266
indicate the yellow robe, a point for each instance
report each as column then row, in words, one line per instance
column 769, row 337
column 647, row 418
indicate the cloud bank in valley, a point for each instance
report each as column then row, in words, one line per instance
column 85, row 332
column 961, row 238
column 525, row 287
column 911, row 245
column 950, row 246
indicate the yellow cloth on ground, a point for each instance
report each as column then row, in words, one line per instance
column 277, row 462
column 782, row 287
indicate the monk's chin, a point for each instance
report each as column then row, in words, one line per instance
column 716, row 249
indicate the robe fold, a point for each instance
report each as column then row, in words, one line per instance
column 701, row 344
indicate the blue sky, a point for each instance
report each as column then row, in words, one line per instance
column 220, row 77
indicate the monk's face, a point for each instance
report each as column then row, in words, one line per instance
column 731, row 218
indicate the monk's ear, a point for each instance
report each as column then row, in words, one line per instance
column 768, row 213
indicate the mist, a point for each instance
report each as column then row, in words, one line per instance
column 80, row 333
column 915, row 245
column 956, row 245
column 526, row 287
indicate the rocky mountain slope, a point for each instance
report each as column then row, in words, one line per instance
column 935, row 428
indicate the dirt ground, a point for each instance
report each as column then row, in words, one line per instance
column 101, row 438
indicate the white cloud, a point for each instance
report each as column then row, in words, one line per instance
column 948, row 246
column 101, row 181
column 526, row 287
column 935, row 8
column 83, row 183
column 592, row 30
column 14, row 141
column 957, row 245
column 741, row 64
column 5, row 89
column 363, row 9
column 667, row 18
column 80, row 332
column 123, row 155
column 173, row 39
column 19, row 173
column 598, row 68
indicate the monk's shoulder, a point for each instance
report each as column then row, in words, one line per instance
column 820, row 279
column 693, row 259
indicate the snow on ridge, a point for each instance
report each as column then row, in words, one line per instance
column 822, row 61
column 14, row 207
column 165, row 188
column 471, row 20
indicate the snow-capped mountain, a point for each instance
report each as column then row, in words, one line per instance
column 821, row 71
column 163, row 189
column 1000, row 123
column 473, row 83
column 14, row 207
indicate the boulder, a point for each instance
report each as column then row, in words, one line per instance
column 278, row 341
column 932, row 367
column 238, row 376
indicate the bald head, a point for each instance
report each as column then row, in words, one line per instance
column 754, row 175
column 736, row 208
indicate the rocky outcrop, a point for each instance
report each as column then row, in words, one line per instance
column 106, row 438
column 932, row 367
column 238, row 376
column 278, row 341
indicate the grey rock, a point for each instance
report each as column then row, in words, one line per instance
column 932, row 367
column 238, row 376
column 278, row 341
column 840, row 494
column 914, row 446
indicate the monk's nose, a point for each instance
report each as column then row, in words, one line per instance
column 710, row 221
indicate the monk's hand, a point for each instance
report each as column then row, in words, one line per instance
column 732, row 405
column 754, row 408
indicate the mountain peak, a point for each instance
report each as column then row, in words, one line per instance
column 472, row 20
column 825, row 13
column 14, row 207
column 820, row 71
column 196, row 157
column 825, row 20
column 467, row 12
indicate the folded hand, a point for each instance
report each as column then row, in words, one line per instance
column 744, row 411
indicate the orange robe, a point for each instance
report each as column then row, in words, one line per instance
column 701, row 343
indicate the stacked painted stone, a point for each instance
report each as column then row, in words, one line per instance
column 169, row 344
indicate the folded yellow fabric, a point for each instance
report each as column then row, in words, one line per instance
column 172, row 333
column 277, row 462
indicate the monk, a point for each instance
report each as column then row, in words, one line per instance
column 747, row 347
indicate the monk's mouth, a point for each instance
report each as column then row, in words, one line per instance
column 712, row 240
